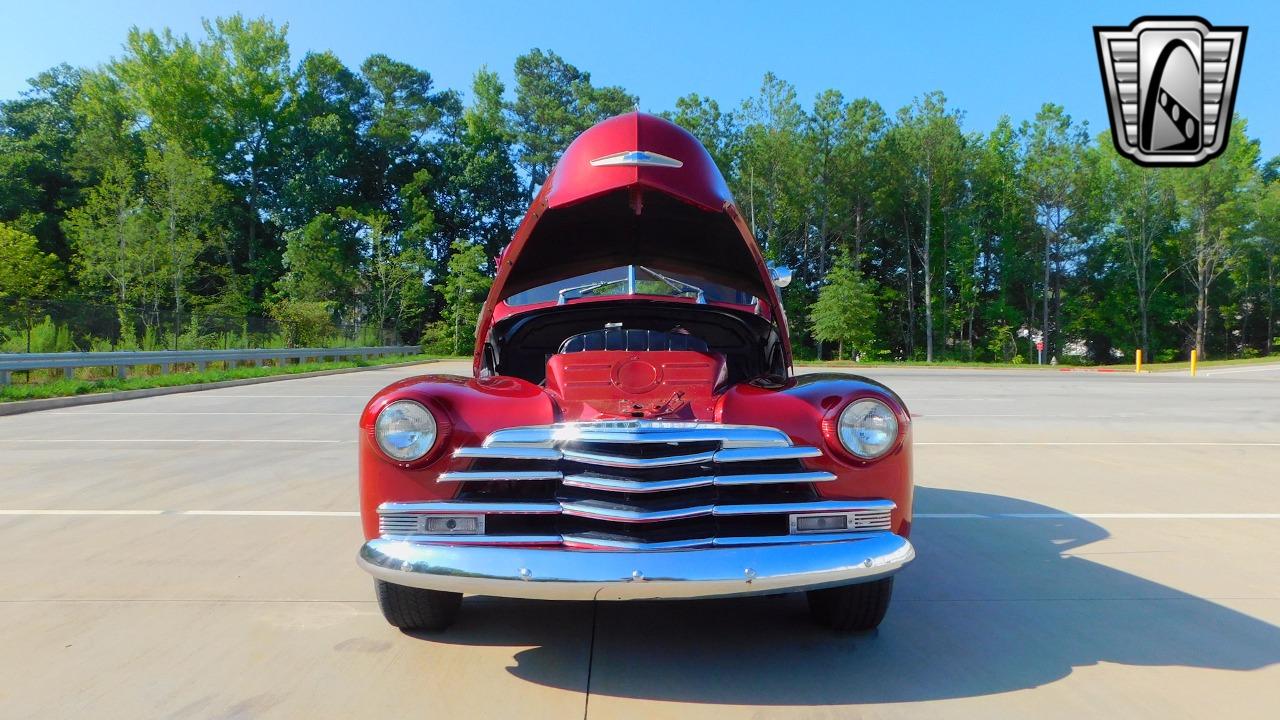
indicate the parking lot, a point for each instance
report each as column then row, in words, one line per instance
column 1089, row 545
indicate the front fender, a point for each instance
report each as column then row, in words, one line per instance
column 467, row 411
column 801, row 405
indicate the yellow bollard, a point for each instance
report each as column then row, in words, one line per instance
column 1195, row 354
column 1137, row 358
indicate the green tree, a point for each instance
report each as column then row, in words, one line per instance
column 250, row 66
column 555, row 101
column 464, row 288
column 846, row 310
column 321, row 262
column 111, row 232
column 480, row 198
column 1268, row 245
column 37, row 134
column 1144, row 219
column 1214, row 205
column 1052, row 172
column 391, row 272
column 27, row 275
column 717, row 131
column 930, row 151
column 324, row 163
column 181, row 193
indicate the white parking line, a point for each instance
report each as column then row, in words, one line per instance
column 82, row 512
column 204, row 396
column 228, row 513
column 1264, row 368
column 922, row 416
column 271, row 513
column 42, row 441
column 94, row 412
column 1105, row 442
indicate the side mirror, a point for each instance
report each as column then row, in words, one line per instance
column 781, row 275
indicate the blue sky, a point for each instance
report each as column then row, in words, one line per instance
column 990, row 58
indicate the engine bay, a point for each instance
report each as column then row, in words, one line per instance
column 670, row 344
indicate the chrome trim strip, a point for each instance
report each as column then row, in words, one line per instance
column 613, row 484
column 460, row 507
column 790, row 539
column 567, row 574
column 831, row 506
column 600, row 511
column 498, row 475
column 591, row 458
column 638, row 431
column 766, row 454
column 773, row 478
column 583, row 541
column 507, row 453
column 627, row 485
column 476, row 539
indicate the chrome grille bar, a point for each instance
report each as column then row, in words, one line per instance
column 626, row 485
column 821, row 506
column 767, row 454
column 499, row 475
column 459, row 507
column 598, row 510
column 639, row 431
column 619, row 461
column 506, row 452
column 773, row 478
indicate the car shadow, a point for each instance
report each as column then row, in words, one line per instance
column 989, row 606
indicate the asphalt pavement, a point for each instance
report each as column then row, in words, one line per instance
column 1089, row 545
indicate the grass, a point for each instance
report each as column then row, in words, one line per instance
column 958, row 364
column 1186, row 364
column 68, row 387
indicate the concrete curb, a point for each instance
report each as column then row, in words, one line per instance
column 19, row 407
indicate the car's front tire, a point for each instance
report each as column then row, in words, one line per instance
column 852, row 608
column 410, row 608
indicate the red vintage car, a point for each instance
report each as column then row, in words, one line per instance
column 633, row 428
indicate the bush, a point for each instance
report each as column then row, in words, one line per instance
column 305, row 323
column 46, row 337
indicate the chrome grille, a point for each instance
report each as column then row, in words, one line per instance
column 636, row 484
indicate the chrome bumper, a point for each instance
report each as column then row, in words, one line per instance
column 564, row 574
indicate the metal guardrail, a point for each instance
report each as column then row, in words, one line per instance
column 166, row 359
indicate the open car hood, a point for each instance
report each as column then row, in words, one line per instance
column 634, row 189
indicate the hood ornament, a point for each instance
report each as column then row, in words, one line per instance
column 637, row 158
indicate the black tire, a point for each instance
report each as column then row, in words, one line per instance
column 410, row 608
column 852, row 608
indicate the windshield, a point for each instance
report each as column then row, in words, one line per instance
column 631, row 280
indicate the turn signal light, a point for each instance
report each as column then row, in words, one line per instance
column 820, row 523
column 454, row 525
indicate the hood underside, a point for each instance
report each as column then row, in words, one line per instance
column 604, row 232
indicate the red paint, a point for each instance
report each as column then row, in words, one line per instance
column 620, row 384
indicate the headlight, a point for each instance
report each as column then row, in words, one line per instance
column 868, row 428
column 405, row 430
